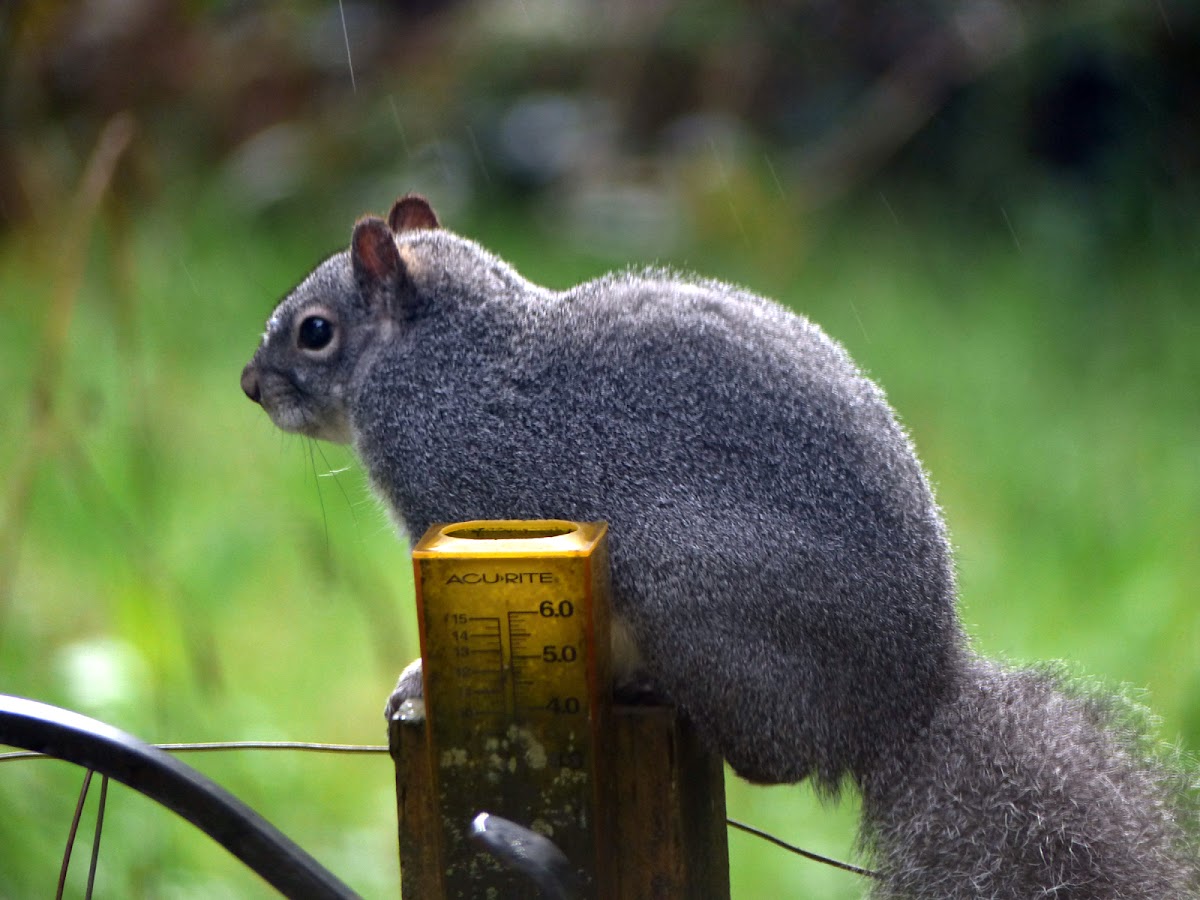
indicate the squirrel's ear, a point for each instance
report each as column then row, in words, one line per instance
column 373, row 251
column 412, row 211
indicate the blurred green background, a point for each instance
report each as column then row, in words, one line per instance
column 992, row 203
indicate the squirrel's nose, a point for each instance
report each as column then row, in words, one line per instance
column 250, row 384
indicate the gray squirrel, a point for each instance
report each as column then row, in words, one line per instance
column 780, row 568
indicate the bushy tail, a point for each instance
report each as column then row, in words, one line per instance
column 1031, row 786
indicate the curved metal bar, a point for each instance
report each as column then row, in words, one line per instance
column 227, row 820
column 532, row 854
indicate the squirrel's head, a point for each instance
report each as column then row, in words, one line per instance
column 317, row 336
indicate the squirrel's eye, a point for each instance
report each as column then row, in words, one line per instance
column 315, row 333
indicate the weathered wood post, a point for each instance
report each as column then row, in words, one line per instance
column 518, row 722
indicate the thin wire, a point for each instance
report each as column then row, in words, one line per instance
column 346, row 36
column 807, row 854
column 309, row 746
column 66, row 862
column 96, row 837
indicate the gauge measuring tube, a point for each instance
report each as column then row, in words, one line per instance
column 514, row 620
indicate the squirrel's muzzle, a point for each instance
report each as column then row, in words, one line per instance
column 250, row 384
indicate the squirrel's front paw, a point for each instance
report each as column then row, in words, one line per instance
column 639, row 689
column 408, row 688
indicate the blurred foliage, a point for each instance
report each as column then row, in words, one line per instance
column 991, row 203
column 623, row 113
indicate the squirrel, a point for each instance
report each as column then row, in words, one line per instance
column 781, row 571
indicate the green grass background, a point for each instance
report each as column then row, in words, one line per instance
column 180, row 569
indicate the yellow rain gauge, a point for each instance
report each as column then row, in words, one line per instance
column 515, row 647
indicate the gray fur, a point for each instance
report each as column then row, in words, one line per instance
column 1030, row 786
column 777, row 554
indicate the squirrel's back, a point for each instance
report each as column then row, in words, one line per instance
column 754, row 481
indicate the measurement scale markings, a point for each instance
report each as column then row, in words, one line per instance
column 485, row 627
column 473, row 672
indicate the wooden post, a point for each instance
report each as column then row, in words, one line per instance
column 669, row 839
column 416, row 807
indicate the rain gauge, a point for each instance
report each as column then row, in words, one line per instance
column 514, row 621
